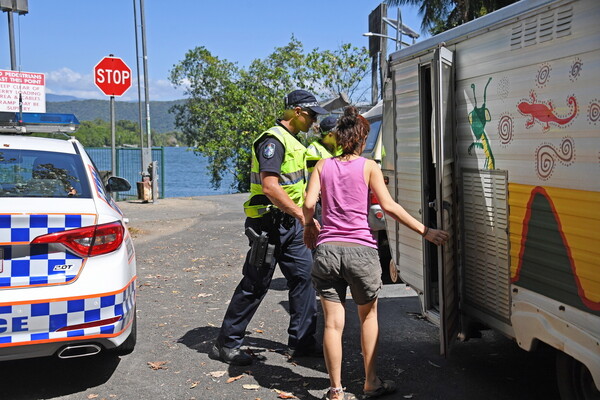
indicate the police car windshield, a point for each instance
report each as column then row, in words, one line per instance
column 28, row 173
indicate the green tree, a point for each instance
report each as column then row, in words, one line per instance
column 227, row 106
column 441, row 15
column 340, row 70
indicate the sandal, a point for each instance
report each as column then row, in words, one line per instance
column 386, row 387
column 333, row 391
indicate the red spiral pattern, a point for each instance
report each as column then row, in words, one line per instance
column 547, row 155
column 594, row 112
column 543, row 75
column 505, row 129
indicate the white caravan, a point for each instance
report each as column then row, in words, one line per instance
column 492, row 132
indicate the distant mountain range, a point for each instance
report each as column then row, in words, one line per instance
column 161, row 120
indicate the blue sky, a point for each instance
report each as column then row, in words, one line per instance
column 65, row 39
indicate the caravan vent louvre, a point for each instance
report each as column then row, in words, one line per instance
column 542, row 28
column 486, row 278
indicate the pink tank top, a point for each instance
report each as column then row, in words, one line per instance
column 345, row 202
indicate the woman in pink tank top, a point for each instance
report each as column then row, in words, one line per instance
column 346, row 251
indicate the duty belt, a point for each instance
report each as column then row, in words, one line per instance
column 257, row 211
column 275, row 215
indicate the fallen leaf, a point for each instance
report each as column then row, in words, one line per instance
column 251, row 387
column 194, row 384
column 235, row 378
column 259, row 331
column 284, row 395
column 217, row 374
column 157, row 365
column 92, row 396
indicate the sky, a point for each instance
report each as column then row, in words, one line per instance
column 65, row 39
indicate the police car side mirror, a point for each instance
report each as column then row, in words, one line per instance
column 116, row 184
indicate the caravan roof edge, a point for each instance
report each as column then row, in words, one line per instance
column 505, row 13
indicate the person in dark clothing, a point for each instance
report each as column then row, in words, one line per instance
column 274, row 218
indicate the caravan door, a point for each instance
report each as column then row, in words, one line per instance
column 439, row 189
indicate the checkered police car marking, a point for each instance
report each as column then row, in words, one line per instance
column 41, row 321
column 40, row 264
column 101, row 191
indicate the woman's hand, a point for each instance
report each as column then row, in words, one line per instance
column 311, row 233
column 436, row 236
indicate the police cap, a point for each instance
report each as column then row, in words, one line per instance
column 304, row 99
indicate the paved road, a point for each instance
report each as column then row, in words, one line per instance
column 189, row 254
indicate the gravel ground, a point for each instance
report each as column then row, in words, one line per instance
column 189, row 254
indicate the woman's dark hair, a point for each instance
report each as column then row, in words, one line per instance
column 352, row 131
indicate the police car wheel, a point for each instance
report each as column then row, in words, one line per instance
column 128, row 345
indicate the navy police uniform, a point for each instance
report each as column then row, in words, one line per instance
column 295, row 262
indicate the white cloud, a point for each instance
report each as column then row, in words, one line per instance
column 67, row 82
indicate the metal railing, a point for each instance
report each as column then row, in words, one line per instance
column 128, row 166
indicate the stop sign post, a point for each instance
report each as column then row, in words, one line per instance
column 113, row 77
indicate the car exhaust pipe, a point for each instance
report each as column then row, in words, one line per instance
column 79, row 351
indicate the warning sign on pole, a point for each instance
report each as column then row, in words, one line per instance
column 31, row 87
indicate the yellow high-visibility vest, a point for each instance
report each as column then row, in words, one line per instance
column 293, row 176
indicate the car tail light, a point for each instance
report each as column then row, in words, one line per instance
column 374, row 199
column 88, row 241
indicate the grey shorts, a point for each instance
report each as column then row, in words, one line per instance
column 337, row 267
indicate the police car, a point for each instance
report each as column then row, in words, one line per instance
column 67, row 262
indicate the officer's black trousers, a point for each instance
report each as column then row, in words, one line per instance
column 295, row 261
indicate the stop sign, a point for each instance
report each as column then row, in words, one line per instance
column 112, row 76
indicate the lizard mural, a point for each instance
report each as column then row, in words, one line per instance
column 478, row 117
column 544, row 113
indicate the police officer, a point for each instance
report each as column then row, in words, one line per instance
column 277, row 185
column 326, row 146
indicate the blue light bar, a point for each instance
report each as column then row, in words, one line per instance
column 48, row 118
column 37, row 122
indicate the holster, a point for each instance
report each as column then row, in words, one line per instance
column 261, row 252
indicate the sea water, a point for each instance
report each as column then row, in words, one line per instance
column 187, row 174
column 184, row 174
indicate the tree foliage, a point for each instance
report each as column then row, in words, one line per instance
column 441, row 15
column 226, row 106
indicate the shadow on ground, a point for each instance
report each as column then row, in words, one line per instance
column 49, row 377
column 271, row 367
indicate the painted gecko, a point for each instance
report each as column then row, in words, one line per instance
column 478, row 117
column 544, row 112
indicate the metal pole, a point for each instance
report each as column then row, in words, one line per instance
column 374, row 80
column 143, row 160
column 398, row 27
column 147, row 101
column 113, row 146
column 383, row 53
column 145, row 63
column 11, row 38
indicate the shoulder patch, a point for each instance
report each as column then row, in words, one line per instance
column 269, row 150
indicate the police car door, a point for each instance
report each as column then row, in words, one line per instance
column 442, row 75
